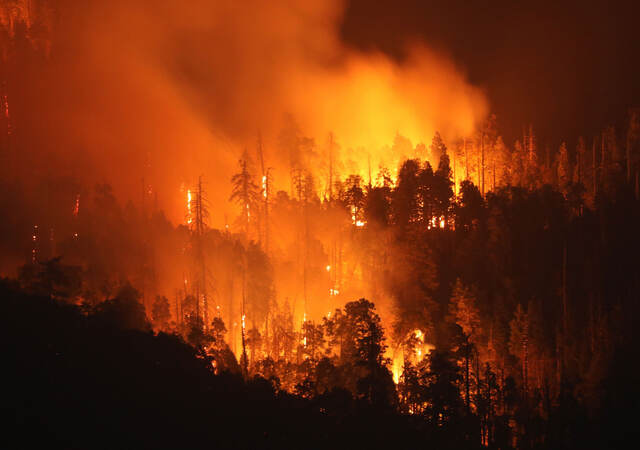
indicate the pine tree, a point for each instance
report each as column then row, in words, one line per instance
column 244, row 192
column 531, row 166
column 632, row 141
column 160, row 312
column 437, row 149
column 563, row 169
column 519, row 342
column 464, row 311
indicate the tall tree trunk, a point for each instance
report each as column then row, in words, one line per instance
column 482, row 159
column 466, row 378
column 595, row 169
column 466, row 160
column 330, row 167
column 565, row 316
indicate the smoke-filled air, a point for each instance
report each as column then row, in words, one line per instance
column 265, row 212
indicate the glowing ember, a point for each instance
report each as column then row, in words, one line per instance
column 76, row 206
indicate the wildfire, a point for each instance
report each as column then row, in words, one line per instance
column 436, row 222
column 34, row 249
column 189, row 215
column 397, row 368
column 354, row 219
column 264, row 186
column 76, row 206
column 418, row 354
column 304, row 339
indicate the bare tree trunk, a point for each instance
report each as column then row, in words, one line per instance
column 330, row 167
column 565, row 318
column 595, row 169
column 482, row 158
column 466, row 381
column 628, row 158
column 466, row 160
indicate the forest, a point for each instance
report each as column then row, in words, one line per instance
column 450, row 289
column 512, row 312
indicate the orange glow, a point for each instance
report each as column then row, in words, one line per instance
column 396, row 368
column 189, row 214
column 76, row 206
column 264, row 186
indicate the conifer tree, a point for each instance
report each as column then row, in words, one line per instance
column 244, row 192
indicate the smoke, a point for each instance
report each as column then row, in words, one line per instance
column 166, row 90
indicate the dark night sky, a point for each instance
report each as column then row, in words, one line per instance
column 569, row 68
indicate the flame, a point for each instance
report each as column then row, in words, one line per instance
column 421, row 350
column 189, row 215
column 264, row 186
column 328, row 268
column 354, row 220
column 76, row 206
column 304, row 339
column 396, row 369
column 436, row 222
column 34, row 239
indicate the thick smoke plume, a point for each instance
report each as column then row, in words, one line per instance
column 166, row 90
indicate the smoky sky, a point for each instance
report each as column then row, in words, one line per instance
column 137, row 92
column 569, row 68
column 158, row 92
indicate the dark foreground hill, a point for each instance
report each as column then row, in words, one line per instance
column 77, row 380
